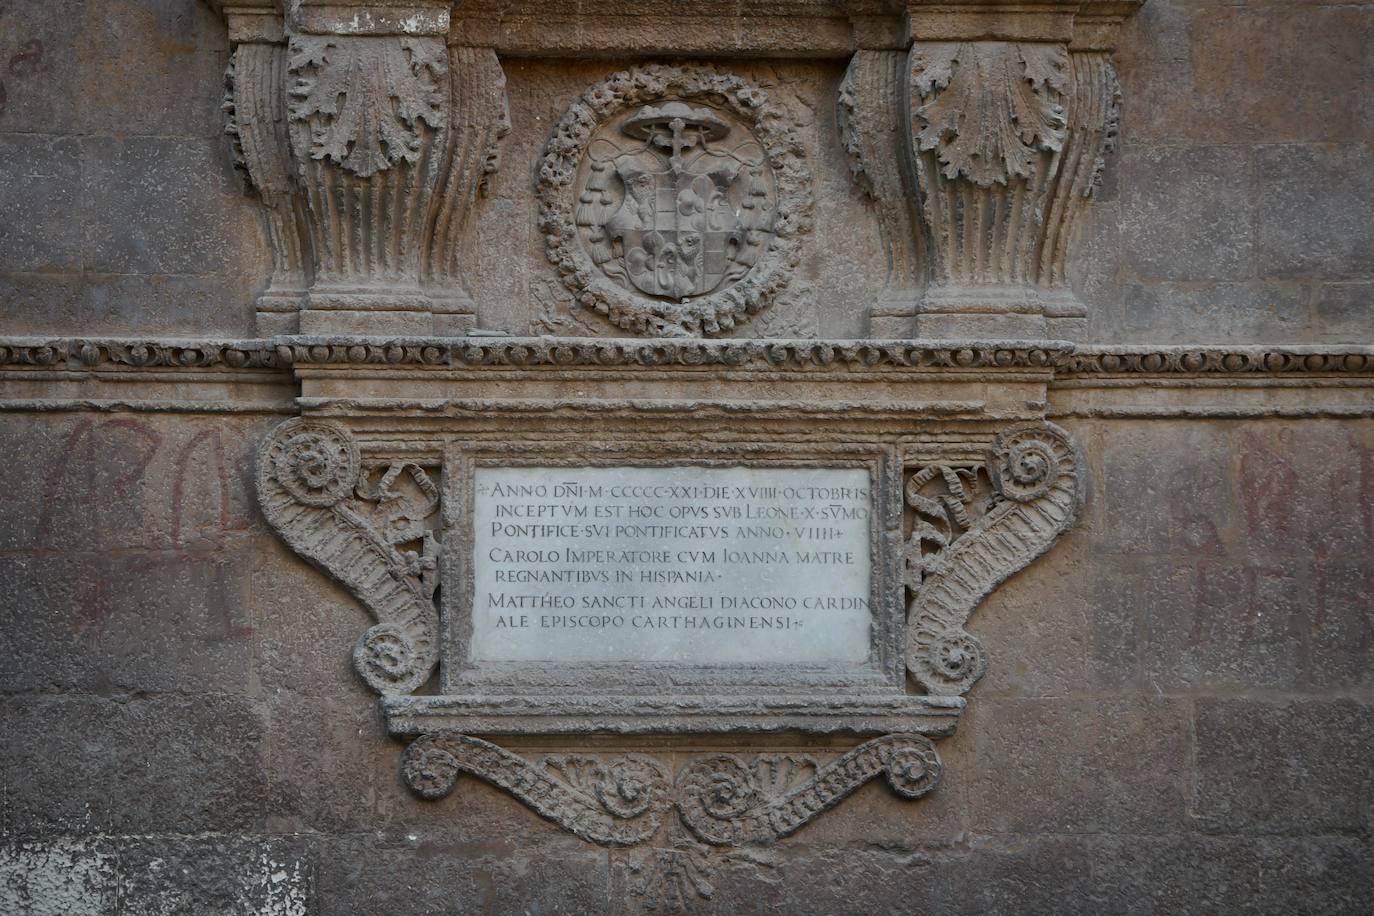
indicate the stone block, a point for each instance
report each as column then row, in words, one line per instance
column 1290, row 767
column 40, row 67
column 75, row 877
column 1186, row 213
column 1080, row 639
column 304, row 626
column 1044, row 874
column 328, row 758
column 125, row 764
column 1194, row 313
column 118, row 305
column 1261, row 76
column 173, row 875
column 1196, row 874
column 1269, row 72
column 153, row 67
column 1093, row 765
column 412, row 873
column 1161, row 495
column 1313, row 221
column 41, row 200
column 125, row 622
column 1305, row 488
column 159, row 205
column 1341, row 312
column 1218, row 624
column 1341, row 642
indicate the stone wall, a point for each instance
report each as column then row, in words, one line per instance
column 1179, row 712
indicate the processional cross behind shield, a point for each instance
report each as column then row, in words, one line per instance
column 683, row 212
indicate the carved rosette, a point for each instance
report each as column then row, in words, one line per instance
column 674, row 199
column 315, row 491
column 368, row 147
column 964, row 543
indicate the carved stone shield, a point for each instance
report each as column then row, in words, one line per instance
column 693, row 207
column 672, row 200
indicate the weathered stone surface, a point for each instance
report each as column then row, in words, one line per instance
column 1289, row 767
column 1175, row 715
column 167, row 621
column 1324, row 233
column 169, row 875
column 146, row 198
column 70, row 877
column 86, row 764
column 1062, row 765
column 39, row 197
column 407, row 872
column 1177, row 508
column 1178, row 211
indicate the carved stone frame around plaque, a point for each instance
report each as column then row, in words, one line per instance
column 971, row 485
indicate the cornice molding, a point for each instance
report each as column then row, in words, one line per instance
column 536, row 353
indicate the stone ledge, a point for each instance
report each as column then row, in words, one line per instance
column 533, row 353
column 811, row 713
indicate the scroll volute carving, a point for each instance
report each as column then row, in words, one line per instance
column 1006, row 115
column 368, row 145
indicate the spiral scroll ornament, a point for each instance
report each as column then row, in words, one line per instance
column 724, row 802
column 317, row 463
column 312, row 491
column 1035, row 473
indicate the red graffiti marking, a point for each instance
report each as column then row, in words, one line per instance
column 91, row 497
column 1268, row 483
column 1219, row 602
column 1363, row 603
column 183, row 461
column 23, row 63
column 29, row 60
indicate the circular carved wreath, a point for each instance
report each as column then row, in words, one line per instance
column 711, row 313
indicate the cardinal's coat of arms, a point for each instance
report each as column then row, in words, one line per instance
column 678, row 206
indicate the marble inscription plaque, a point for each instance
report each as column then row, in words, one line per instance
column 689, row 565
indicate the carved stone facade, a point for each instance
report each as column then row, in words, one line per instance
column 805, row 456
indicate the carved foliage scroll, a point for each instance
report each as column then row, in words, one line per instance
column 371, row 524
column 366, row 104
column 723, row 799
column 871, row 94
column 1004, row 142
column 1032, row 491
column 255, row 119
column 988, row 109
column 317, row 493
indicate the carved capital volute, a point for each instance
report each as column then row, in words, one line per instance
column 1008, row 111
column 367, row 138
